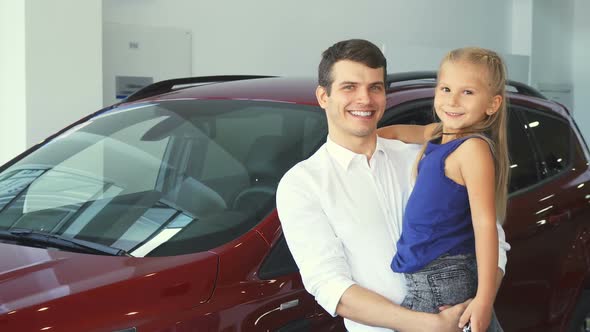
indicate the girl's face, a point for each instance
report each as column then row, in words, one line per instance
column 463, row 96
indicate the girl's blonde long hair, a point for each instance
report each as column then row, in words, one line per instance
column 493, row 128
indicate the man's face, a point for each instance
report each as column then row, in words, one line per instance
column 356, row 102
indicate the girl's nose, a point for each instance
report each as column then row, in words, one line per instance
column 454, row 99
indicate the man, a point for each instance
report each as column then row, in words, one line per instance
column 341, row 209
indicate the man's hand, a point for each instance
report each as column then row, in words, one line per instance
column 479, row 313
column 448, row 318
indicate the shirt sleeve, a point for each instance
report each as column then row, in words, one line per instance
column 503, row 248
column 317, row 250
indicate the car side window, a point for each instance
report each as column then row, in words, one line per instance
column 279, row 262
column 553, row 136
column 416, row 113
column 524, row 170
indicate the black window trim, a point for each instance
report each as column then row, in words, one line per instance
column 537, row 149
column 275, row 264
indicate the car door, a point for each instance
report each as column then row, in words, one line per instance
column 293, row 309
column 545, row 266
column 524, row 300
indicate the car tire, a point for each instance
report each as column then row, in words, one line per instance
column 581, row 316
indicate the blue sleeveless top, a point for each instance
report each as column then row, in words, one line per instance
column 437, row 218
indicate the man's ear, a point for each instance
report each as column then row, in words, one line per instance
column 322, row 96
column 494, row 105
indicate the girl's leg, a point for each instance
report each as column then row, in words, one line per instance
column 451, row 279
column 447, row 280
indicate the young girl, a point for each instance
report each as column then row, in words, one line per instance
column 460, row 190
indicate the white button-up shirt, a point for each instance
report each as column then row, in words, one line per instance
column 342, row 217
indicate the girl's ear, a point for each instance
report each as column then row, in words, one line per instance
column 494, row 105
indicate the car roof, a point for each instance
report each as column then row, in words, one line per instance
column 298, row 90
column 301, row 90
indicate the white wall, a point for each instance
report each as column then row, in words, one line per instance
column 63, row 65
column 142, row 52
column 581, row 65
column 12, row 79
column 287, row 38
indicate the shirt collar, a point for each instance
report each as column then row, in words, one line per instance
column 344, row 156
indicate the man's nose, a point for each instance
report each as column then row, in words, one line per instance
column 363, row 96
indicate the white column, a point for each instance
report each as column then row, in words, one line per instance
column 50, row 68
column 520, row 40
column 12, row 79
column 581, row 66
column 522, row 27
column 551, row 42
column 64, row 63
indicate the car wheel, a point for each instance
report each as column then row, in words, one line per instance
column 581, row 316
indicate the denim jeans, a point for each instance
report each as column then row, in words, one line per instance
column 447, row 280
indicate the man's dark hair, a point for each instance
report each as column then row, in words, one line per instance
column 357, row 50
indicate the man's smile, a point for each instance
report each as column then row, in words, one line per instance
column 363, row 114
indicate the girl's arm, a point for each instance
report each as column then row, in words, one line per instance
column 476, row 166
column 408, row 133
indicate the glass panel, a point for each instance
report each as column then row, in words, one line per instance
column 523, row 165
column 553, row 136
column 421, row 114
column 161, row 179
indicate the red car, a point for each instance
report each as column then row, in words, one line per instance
column 158, row 214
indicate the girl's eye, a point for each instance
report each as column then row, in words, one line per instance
column 445, row 89
column 468, row 92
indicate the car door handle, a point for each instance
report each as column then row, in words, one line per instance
column 289, row 304
column 559, row 218
column 283, row 306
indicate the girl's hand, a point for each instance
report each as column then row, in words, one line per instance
column 479, row 313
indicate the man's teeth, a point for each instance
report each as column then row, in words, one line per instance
column 360, row 113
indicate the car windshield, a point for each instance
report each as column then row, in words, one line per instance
column 161, row 179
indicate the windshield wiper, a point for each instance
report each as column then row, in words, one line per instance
column 36, row 238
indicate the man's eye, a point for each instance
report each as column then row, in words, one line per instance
column 376, row 88
column 348, row 87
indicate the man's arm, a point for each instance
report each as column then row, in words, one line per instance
column 503, row 248
column 366, row 307
column 319, row 254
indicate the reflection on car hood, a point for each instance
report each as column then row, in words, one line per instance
column 32, row 279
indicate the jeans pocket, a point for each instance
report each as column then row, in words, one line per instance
column 453, row 284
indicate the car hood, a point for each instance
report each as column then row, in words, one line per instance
column 34, row 280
